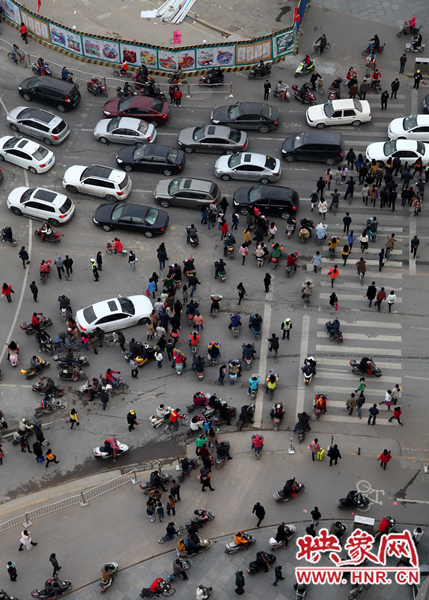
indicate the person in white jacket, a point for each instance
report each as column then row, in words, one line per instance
column 391, row 300
column 26, row 540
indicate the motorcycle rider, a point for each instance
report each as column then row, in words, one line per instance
column 314, row 77
column 198, row 364
column 235, row 367
column 45, row 231
column 263, row 561
column 110, row 377
column 335, row 328
column 321, row 228
column 188, row 264
column 336, row 529
column 222, row 451
column 290, row 488
column 253, row 383
column 235, row 321
column 194, row 338
column 64, row 302
column 157, row 586
column 52, row 587
column 386, row 524
column 292, row 259
column 44, row 267
column 214, row 350
column 306, row 61
column 228, row 242
column 365, row 364
column 175, row 419
column 35, row 363
column 277, row 411
column 322, row 41
column 308, row 367
column 260, row 69
column 65, row 74
column 218, row 75
column 179, row 358
column 307, row 289
column 271, row 382
column 281, row 535
column 248, row 350
column 303, row 422
column 261, row 250
column 320, row 402
column 43, row 338
column 155, row 480
column 191, row 233
column 417, row 41
column 162, row 412
column 219, row 266
column 216, row 300
column 241, row 539
column 7, row 234
column 246, row 414
column 255, row 322
column 257, row 442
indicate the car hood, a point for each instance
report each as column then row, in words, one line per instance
column 101, row 126
column 222, row 163
column 73, row 173
column 241, row 195
column 15, row 195
column 220, row 114
column 287, row 144
column 111, row 106
column 315, row 113
column 162, row 188
column 25, row 83
column 396, row 126
column 376, row 151
column 126, row 154
column 13, row 114
column 103, row 212
column 185, row 136
column 142, row 304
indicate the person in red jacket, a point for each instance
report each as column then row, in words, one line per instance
column 397, row 412
column 178, row 96
column 23, row 31
column 384, row 458
column 175, row 418
column 6, row 291
column 156, row 588
column 194, row 338
column 117, row 245
column 35, row 321
column 381, row 295
column 111, row 378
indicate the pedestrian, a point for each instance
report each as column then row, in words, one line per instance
column 235, row 221
column 267, row 89
column 199, row 443
column 175, row 334
column 381, row 295
column 94, row 342
column 171, row 505
column 310, row 530
column 323, row 208
column 333, row 302
column 391, row 300
column 171, row 92
column 24, row 444
column 205, row 481
column 150, row 289
column 286, row 327
column 267, row 282
column 23, row 255
column 351, row 403
column 11, row 569
column 26, row 540
column 333, row 273
column 363, row 89
column 193, row 282
column 175, row 490
column 239, row 582
column 38, row 452
column 2, row 453
column 395, row 87
column 134, row 368
column 59, row 263
column 350, row 188
column 417, row 79
column 94, row 268
column 160, row 506
column 162, row 256
column 314, row 448
column 320, row 185
column 74, row 418
column 371, row 293
column 345, row 253
column 259, row 512
column 223, row 228
column 132, row 260
column 414, row 245
column 381, row 259
column 222, row 373
column 7, row 291
column 328, row 178
column 159, row 358
column 273, row 231
column 397, row 412
column 402, row 61
column 344, row 173
column 131, row 420
column 317, row 261
column 384, row 458
column 417, row 204
column 373, row 412
column 178, row 96
column 334, row 454
column 50, row 457
column 150, row 508
column 244, row 251
column 360, row 401
column 278, row 573
column 314, row 199
column 54, row 562
column 316, row 515
column 417, row 536
column 347, row 222
column 68, row 264
column 34, row 290
column 351, row 158
column 199, row 321
column 224, row 205
column 24, row 33
column 241, row 292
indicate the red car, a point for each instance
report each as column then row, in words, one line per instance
column 140, row 107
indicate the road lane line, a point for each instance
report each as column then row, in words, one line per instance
column 264, row 355
column 305, row 332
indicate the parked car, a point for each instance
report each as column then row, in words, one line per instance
column 61, row 94
column 97, row 180
column 155, row 158
column 26, row 154
column 124, row 130
column 186, row 192
column 425, row 104
column 406, row 150
column 38, row 123
column 115, row 313
column 414, row 127
column 212, row 138
column 135, row 218
column 41, row 204
column 314, row 146
column 271, row 200
column 247, row 115
column 339, row 112
column 153, row 110
column 424, row 574
column 249, row 166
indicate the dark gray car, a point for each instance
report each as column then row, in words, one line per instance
column 212, row 138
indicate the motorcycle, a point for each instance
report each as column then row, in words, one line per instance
column 17, row 435
column 277, row 413
column 308, row 374
column 335, row 89
column 290, row 227
column 378, row 50
column 221, row 460
column 5, row 596
column 148, row 487
column 55, row 236
column 371, row 371
column 337, row 336
column 405, row 29
column 29, row 329
column 234, row 371
column 38, row 71
column 304, row 97
column 290, row 531
column 156, row 421
column 265, row 72
column 193, row 240
column 354, row 499
column 40, row 387
column 317, row 409
column 11, row 241
column 106, row 583
column 120, row 386
column 106, row 451
column 192, row 465
column 204, row 545
column 279, row 93
column 411, row 48
column 74, row 376
column 64, row 585
column 54, row 405
column 91, row 89
column 255, row 566
column 258, row 451
column 281, row 497
column 79, row 360
column 230, row 251
column 65, row 313
column 221, row 420
column 242, row 422
column 303, row 69
column 31, row 372
column 232, row 547
column 248, row 359
column 206, row 79
column 205, row 517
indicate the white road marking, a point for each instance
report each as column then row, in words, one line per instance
column 337, row 362
column 367, row 324
column 342, row 296
column 305, row 332
column 344, row 376
column 363, row 336
column 412, row 264
column 357, row 351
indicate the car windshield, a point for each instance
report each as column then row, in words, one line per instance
column 234, row 136
column 270, row 163
column 125, row 103
column 139, row 151
column 40, row 153
column 409, row 122
column 143, row 127
column 266, row 111
column 117, row 212
column 113, row 124
column 34, row 82
column 255, row 193
column 89, row 314
column 151, row 216
column 421, row 148
column 298, row 140
column 26, row 195
column 127, row 306
column 358, row 106
column 66, row 206
column 12, row 142
column 328, row 109
column 234, row 161
column 389, row 148
column 157, row 105
column 85, row 173
column 122, row 184
column 198, row 133
column 234, row 111
column 174, row 186
column 172, row 154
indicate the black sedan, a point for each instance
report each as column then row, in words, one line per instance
column 155, row 158
column 247, row 115
column 272, row 200
column 131, row 217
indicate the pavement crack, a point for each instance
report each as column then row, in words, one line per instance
column 402, row 493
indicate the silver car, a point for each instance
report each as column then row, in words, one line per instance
column 249, row 166
column 212, row 138
column 38, row 123
column 124, row 130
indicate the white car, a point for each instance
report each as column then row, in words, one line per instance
column 339, row 112
column 249, row 166
column 26, row 154
column 42, row 204
column 115, row 313
column 414, row 127
column 96, row 180
column 407, row 150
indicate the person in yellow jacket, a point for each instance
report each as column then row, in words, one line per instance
column 272, row 381
column 74, row 418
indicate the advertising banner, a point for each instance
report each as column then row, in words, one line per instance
column 11, row 11
column 283, row 43
column 252, row 52
column 36, row 26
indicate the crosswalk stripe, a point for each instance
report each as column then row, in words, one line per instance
column 370, row 250
column 337, row 419
column 338, row 362
column 386, row 275
column 342, row 404
column 346, row 350
column 342, row 296
column 321, row 389
column 363, row 336
column 347, row 377
column 364, row 324
column 357, row 286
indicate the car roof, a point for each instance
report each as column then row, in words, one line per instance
column 344, row 103
column 53, row 82
column 106, row 173
column 47, row 195
column 135, row 210
column 407, row 144
column 155, row 149
column 276, row 191
column 128, row 122
column 38, row 114
column 254, row 158
column 250, row 107
column 141, row 102
column 317, row 137
column 200, row 185
column 221, row 130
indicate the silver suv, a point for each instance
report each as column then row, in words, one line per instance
column 38, row 123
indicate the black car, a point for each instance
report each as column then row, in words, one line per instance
column 247, row 115
column 61, row 94
column 425, row 104
column 155, row 158
column 131, row 217
column 271, row 200
column 314, row 146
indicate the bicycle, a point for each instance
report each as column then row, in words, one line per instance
column 118, row 73
column 274, row 352
column 110, row 341
column 20, row 60
column 111, row 250
column 180, row 530
column 319, row 87
column 361, row 277
column 317, row 49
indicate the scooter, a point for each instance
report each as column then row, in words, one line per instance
column 156, row 421
column 405, row 29
column 281, row 497
column 370, row 372
column 148, row 487
column 91, row 89
column 75, row 376
column 207, row 80
column 5, row 596
column 63, row 586
column 179, row 367
column 120, row 93
column 279, row 94
column 221, row 274
column 232, row 547
column 221, row 460
column 79, row 360
column 29, row 329
column 106, row 583
column 230, row 251
column 290, row 227
column 186, row 564
column 354, row 500
column 55, row 404
column 258, row 451
column 31, row 372
column 55, row 236
column 194, row 241
column 205, row 517
column 204, row 545
column 309, row 97
column 37, row 71
column 317, row 409
column 192, row 465
column 277, row 413
column 255, row 566
column 11, row 241
column 378, row 50
column 40, row 387
column 290, row 531
column 105, row 452
column 337, row 336
column 265, row 72
column 304, row 69
column 65, row 313
column 17, row 435
column 410, row 48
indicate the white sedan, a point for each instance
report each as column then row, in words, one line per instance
column 406, row 150
column 339, row 112
column 115, row 313
column 27, row 154
column 414, row 127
